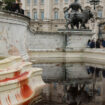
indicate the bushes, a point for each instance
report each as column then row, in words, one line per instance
column 11, row 5
column 6, row 1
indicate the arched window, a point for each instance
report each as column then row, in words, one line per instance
column 28, row 14
column 66, row 1
column 42, row 15
column 99, row 13
column 66, row 13
column 28, row 2
column 42, row 1
column 35, row 15
column 88, row 1
column 35, row 1
column 56, row 15
column 56, row 1
column 77, row 0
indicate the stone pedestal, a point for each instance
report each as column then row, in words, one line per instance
column 76, row 39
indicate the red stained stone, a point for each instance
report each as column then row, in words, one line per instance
column 0, row 102
column 15, row 77
column 17, row 73
column 26, row 91
column 9, row 99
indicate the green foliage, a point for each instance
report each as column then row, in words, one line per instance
column 8, row 1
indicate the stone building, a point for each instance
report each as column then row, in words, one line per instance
column 48, row 15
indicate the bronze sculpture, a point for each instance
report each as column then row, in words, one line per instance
column 76, row 18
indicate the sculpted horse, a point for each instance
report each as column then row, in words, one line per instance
column 78, row 19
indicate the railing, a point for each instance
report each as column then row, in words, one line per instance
column 49, row 20
column 18, row 14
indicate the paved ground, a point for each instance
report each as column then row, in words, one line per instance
column 49, row 103
column 53, row 103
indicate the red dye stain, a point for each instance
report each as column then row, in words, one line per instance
column 18, row 97
column 15, row 77
column 26, row 91
column 9, row 99
column 0, row 102
column 17, row 73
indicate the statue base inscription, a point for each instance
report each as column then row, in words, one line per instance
column 76, row 39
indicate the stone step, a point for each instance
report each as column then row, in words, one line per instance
column 11, row 72
column 7, row 62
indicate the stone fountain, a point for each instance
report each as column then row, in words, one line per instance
column 20, row 83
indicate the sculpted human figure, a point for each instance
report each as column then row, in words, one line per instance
column 76, row 17
column 75, row 6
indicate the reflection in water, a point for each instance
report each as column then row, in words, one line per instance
column 73, row 84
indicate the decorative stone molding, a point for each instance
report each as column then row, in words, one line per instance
column 19, row 82
column 76, row 39
column 93, row 56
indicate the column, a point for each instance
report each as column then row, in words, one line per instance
column 38, row 9
column 47, row 9
column 31, row 8
column 61, row 13
column 23, row 4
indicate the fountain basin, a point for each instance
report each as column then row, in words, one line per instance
column 20, row 84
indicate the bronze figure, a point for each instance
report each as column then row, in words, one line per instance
column 75, row 17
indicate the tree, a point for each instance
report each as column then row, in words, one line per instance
column 8, row 4
column 8, row 1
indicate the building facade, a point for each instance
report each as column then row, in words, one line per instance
column 48, row 15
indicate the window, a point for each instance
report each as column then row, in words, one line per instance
column 98, row 91
column 56, row 1
column 28, row 14
column 56, row 15
column 35, row 16
column 42, row 15
column 42, row 1
column 77, row 0
column 66, row 15
column 88, row 1
column 35, row 1
column 28, row 2
column 66, row 1
column 99, row 14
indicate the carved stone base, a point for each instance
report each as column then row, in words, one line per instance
column 76, row 39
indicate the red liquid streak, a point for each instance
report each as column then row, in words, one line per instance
column 15, row 77
column 26, row 91
column 17, row 98
column 0, row 102
column 17, row 73
column 9, row 100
